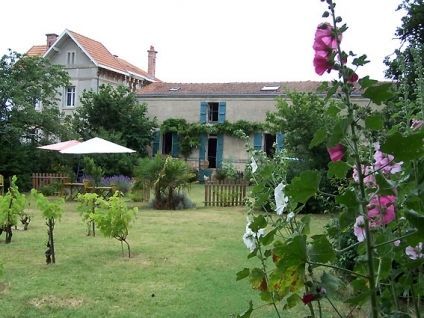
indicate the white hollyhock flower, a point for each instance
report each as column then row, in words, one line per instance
column 290, row 216
column 254, row 165
column 415, row 252
column 281, row 200
column 250, row 237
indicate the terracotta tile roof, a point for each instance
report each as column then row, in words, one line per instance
column 37, row 50
column 161, row 89
column 134, row 69
column 100, row 55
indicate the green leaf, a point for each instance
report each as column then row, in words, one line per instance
column 374, row 122
column 349, row 200
column 333, row 110
column 256, row 277
column 243, row 274
column 379, row 93
column 338, row 169
column 319, row 137
column 362, row 292
column 248, row 312
column 360, row 61
column 417, row 220
column 304, row 186
column 385, row 187
column 366, row 82
column 305, row 226
column 268, row 238
column 339, row 131
column 259, row 222
column 404, row 148
column 320, row 250
column 331, row 283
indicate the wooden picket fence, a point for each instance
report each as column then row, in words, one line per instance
column 42, row 179
column 225, row 193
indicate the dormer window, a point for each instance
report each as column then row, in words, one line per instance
column 71, row 58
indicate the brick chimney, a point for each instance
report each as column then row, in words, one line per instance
column 51, row 38
column 151, row 63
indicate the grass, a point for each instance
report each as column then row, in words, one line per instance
column 183, row 265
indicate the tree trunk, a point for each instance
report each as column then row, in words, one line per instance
column 51, row 240
column 8, row 230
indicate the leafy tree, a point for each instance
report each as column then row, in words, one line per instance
column 411, row 34
column 26, row 82
column 12, row 205
column 52, row 210
column 168, row 176
column 114, row 218
column 115, row 111
column 87, row 208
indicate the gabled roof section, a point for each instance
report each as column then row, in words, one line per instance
column 238, row 89
column 37, row 50
column 101, row 56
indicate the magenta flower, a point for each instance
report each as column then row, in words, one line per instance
column 358, row 228
column 336, row 152
column 367, row 172
column 353, row 78
column 381, row 210
column 322, row 62
column 416, row 252
column 385, row 163
column 307, row 298
column 324, row 38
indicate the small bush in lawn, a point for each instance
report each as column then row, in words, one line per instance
column 180, row 200
column 227, row 171
column 50, row 189
column 121, row 182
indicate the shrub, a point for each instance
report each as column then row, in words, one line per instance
column 227, row 171
column 180, row 200
column 50, row 189
column 121, row 182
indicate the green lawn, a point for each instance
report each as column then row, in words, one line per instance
column 183, row 265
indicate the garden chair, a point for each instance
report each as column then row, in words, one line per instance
column 1, row 184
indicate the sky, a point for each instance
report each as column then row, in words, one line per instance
column 209, row 40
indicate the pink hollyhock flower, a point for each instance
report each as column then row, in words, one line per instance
column 322, row 62
column 381, row 210
column 416, row 252
column 417, row 124
column 353, row 78
column 336, row 152
column 367, row 172
column 324, row 38
column 358, row 228
column 385, row 163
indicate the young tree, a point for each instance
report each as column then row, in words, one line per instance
column 52, row 210
column 25, row 84
column 87, row 208
column 12, row 205
column 114, row 218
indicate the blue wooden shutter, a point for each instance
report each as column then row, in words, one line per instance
column 175, row 150
column 279, row 138
column 221, row 112
column 203, row 112
column 219, row 150
column 155, row 142
column 257, row 141
column 202, row 146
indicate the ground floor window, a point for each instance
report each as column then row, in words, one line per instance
column 167, row 143
column 212, row 145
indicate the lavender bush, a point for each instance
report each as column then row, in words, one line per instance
column 123, row 183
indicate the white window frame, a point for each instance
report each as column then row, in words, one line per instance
column 70, row 91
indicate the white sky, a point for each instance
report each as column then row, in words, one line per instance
column 209, row 40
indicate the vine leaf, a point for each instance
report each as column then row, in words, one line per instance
column 304, row 186
column 338, row 169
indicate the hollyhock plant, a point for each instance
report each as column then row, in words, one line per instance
column 417, row 124
column 358, row 228
column 324, row 38
column 307, row 298
column 416, row 252
column 381, row 210
column 281, row 200
column 322, row 62
column 336, row 152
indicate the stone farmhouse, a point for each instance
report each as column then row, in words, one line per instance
column 90, row 64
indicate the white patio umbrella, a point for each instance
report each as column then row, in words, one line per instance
column 96, row 145
column 60, row 145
